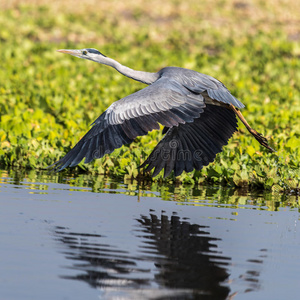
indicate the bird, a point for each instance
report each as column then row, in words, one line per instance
column 198, row 114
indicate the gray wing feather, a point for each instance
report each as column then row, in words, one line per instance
column 220, row 94
column 162, row 95
column 165, row 102
column 199, row 83
column 223, row 95
column 193, row 145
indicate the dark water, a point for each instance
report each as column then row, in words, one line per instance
column 92, row 238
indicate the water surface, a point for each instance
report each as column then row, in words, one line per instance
column 92, row 238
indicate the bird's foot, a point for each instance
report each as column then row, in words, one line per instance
column 261, row 139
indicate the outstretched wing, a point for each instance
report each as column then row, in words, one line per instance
column 193, row 145
column 165, row 101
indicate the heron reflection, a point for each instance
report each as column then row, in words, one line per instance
column 183, row 257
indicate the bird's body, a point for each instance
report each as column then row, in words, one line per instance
column 197, row 110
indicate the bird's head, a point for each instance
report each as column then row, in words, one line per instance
column 87, row 53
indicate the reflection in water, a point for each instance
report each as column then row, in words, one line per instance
column 102, row 265
column 185, row 259
column 189, row 255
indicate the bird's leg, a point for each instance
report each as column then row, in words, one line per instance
column 259, row 137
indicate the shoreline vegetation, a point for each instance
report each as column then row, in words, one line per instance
column 48, row 100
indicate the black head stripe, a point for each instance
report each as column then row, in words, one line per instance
column 94, row 51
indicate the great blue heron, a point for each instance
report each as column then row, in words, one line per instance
column 197, row 110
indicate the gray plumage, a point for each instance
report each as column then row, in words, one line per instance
column 193, row 107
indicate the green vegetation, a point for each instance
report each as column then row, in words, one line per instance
column 48, row 100
column 183, row 194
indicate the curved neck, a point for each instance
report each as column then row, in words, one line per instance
column 144, row 77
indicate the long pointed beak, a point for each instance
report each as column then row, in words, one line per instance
column 71, row 52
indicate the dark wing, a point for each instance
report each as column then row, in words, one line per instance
column 165, row 101
column 193, row 145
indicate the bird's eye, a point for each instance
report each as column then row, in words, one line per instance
column 84, row 52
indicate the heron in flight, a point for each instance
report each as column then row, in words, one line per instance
column 197, row 111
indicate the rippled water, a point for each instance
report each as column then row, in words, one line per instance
column 92, row 238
